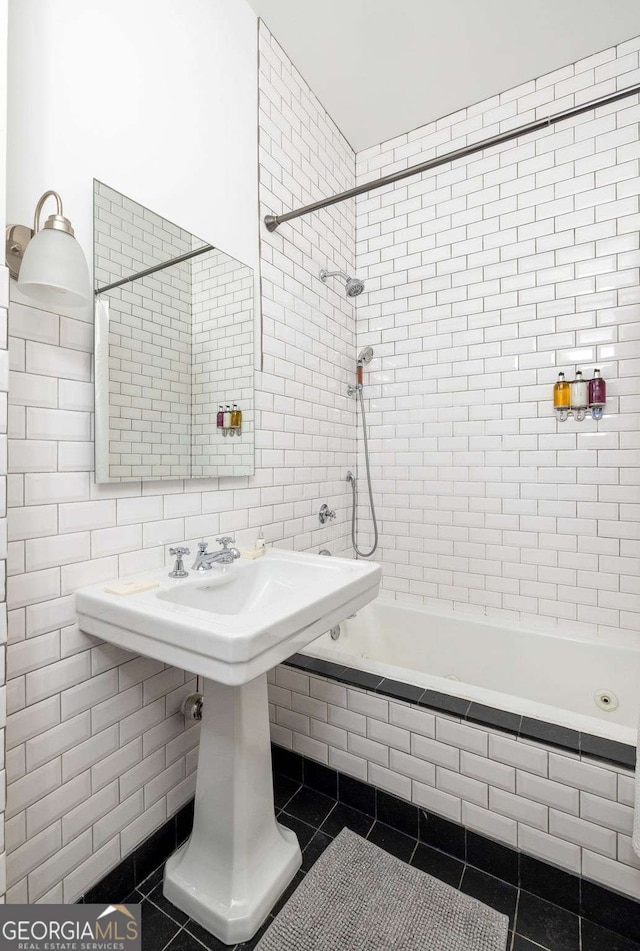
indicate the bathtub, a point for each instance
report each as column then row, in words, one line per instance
column 539, row 675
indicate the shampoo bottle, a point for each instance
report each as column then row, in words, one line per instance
column 597, row 395
column 562, row 397
column 579, row 397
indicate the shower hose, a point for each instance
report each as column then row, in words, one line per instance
column 354, row 539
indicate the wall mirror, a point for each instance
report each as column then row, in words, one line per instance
column 174, row 349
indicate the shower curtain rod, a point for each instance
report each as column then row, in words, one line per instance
column 273, row 221
column 156, row 267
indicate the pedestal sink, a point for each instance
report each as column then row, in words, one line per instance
column 231, row 625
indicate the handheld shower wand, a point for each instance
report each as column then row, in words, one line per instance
column 365, row 356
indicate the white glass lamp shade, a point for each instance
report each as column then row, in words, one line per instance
column 54, row 269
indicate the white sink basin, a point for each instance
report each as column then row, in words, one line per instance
column 235, row 621
column 231, row 625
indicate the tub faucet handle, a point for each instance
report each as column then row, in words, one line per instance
column 326, row 514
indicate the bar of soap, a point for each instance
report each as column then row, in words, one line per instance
column 252, row 553
column 131, row 587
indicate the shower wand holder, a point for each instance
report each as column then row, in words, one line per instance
column 353, row 389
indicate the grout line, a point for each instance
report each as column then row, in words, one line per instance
column 138, row 887
column 535, row 944
column 184, row 928
column 152, row 902
column 282, row 808
column 415, row 849
column 331, row 811
column 515, row 917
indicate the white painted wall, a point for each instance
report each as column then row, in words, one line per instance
column 4, row 16
column 156, row 99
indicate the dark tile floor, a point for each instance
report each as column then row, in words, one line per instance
column 536, row 925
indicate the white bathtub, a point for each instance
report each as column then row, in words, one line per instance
column 525, row 672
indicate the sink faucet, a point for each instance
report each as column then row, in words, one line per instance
column 224, row 556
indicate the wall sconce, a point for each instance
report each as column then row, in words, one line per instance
column 48, row 263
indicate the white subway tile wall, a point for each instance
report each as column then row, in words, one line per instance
column 530, row 797
column 4, row 387
column 484, row 279
column 98, row 753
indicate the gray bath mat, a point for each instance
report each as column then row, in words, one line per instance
column 359, row 898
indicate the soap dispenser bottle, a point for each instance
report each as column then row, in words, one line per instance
column 597, row 395
column 579, row 397
column 562, row 398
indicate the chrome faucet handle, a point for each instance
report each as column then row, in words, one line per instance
column 179, row 570
column 225, row 541
column 326, row 514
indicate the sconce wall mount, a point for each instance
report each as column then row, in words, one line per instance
column 17, row 238
column 46, row 267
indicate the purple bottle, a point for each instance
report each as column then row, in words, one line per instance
column 220, row 418
column 597, row 395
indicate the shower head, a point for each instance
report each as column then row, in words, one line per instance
column 365, row 355
column 353, row 285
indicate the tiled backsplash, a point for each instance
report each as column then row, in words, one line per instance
column 570, row 811
column 99, row 754
column 484, row 279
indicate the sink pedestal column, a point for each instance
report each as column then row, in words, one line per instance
column 238, row 860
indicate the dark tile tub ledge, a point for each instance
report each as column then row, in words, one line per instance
column 530, row 728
